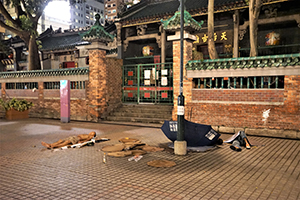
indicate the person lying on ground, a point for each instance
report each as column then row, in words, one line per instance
column 239, row 141
column 71, row 140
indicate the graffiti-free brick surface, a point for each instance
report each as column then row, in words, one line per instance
column 29, row 171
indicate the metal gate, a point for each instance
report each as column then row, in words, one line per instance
column 148, row 83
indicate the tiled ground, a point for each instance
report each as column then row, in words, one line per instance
column 29, row 171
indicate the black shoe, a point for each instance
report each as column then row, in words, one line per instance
column 236, row 146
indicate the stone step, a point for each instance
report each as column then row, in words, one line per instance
column 138, row 119
column 146, row 109
column 144, row 113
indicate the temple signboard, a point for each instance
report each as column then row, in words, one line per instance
column 224, row 36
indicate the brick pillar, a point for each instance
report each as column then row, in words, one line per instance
column 97, row 84
column 41, row 92
column 187, row 55
column 41, row 108
column 3, row 89
column 292, row 94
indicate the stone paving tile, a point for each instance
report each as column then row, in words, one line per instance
column 29, row 171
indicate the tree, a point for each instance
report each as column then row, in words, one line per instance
column 24, row 24
column 213, row 54
column 254, row 9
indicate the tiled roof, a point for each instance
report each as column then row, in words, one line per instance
column 69, row 39
column 97, row 32
column 174, row 22
column 41, row 73
column 62, row 41
column 245, row 62
column 156, row 8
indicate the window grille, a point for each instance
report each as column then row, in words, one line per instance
column 51, row 85
column 21, row 86
column 253, row 82
column 56, row 85
column 77, row 84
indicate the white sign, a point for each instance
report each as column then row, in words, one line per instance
column 210, row 135
column 147, row 74
column 173, row 126
column 164, row 81
column 164, row 72
column 147, row 82
column 180, row 110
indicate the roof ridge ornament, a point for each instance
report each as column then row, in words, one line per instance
column 173, row 23
column 97, row 32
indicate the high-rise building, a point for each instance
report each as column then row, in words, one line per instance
column 56, row 14
column 56, row 23
column 114, row 7
column 83, row 13
column 111, row 9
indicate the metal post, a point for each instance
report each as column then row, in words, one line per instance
column 180, row 110
column 180, row 145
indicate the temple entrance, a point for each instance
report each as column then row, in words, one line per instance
column 148, row 83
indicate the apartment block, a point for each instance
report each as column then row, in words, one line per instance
column 83, row 13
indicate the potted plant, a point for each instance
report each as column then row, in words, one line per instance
column 16, row 109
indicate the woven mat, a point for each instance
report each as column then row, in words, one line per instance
column 119, row 154
column 114, row 148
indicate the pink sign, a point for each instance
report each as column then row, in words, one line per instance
column 65, row 101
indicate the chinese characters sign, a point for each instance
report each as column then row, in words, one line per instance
column 221, row 36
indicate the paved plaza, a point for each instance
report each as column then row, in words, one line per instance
column 30, row 171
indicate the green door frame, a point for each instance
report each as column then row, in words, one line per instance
column 148, row 83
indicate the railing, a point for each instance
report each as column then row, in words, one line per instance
column 47, row 85
column 22, row 85
column 56, row 85
column 272, row 50
column 254, row 82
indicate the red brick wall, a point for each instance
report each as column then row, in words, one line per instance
column 102, row 94
column 251, row 95
column 47, row 102
column 245, row 108
column 114, row 85
column 239, row 108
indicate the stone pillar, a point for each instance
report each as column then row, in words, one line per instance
column 236, row 19
column 3, row 89
column 119, row 41
column 188, row 40
column 163, row 45
column 97, row 83
column 41, row 101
